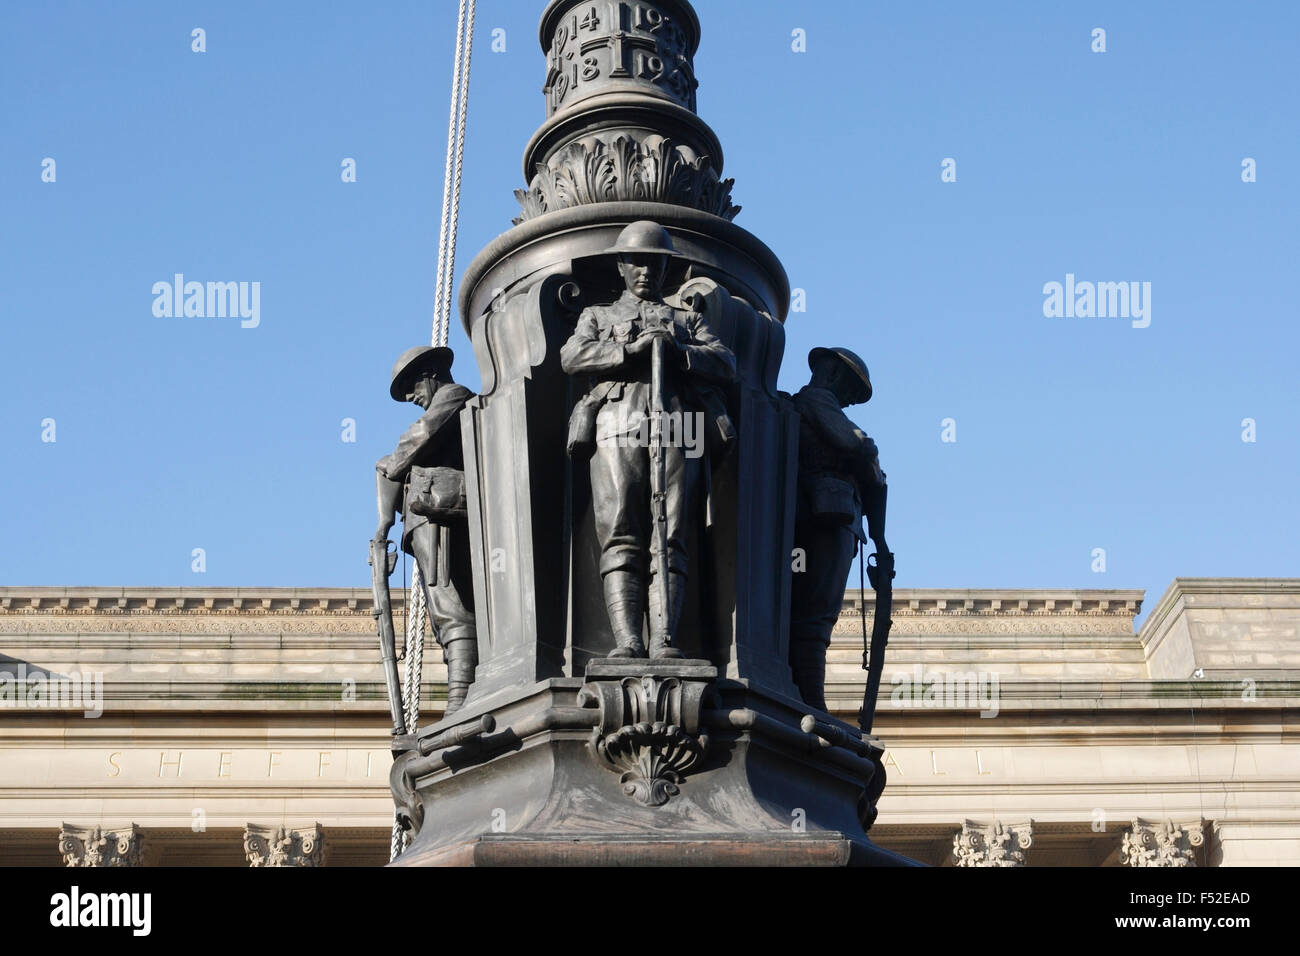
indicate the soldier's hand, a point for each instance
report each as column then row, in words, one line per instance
column 383, row 465
column 640, row 345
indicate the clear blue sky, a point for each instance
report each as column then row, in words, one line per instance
column 1072, row 434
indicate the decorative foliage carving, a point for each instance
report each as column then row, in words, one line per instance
column 649, row 168
column 95, row 846
column 653, row 758
column 992, row 845
column 649, row 732
column 1161, row 844
column 282, row 846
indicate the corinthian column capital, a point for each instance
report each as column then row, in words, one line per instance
column 284, row 846
column 996, row 844
column 95, row 846
column 1147, row 843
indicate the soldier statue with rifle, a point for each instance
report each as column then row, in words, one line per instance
column 424, row 479
column 839, row 481
column 652, row 373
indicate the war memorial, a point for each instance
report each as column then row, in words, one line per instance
column 633, row 676
column 633, row 554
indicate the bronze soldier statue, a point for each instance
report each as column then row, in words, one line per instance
column 425, row 478
column 839, row 475
column 656, row 414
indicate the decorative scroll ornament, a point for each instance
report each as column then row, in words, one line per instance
column 95, row 846
column 282, row 846
column 648, row 732
column 993, row 845
column 1161, row 844
column 646, row 169
column 409, row 809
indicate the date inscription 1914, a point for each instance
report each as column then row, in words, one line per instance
column 618, row 41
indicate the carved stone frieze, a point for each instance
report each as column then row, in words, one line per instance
column 1161, row 844
column 994, row 845
column 629, row 167
column 284, row 846
column 250, row 624
column 340, row 612
column 649, row 731
column 95, row 846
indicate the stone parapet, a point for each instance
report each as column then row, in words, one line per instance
column 1247, row 628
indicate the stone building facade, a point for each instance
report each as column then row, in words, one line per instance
column 247, row 726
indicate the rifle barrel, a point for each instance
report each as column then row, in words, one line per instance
column 658, row 475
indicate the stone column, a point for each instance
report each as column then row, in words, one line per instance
column 95, row 846
column 1161, row 844
column 284, row 846
column 996, row 844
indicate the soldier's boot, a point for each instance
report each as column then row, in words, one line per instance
column 664, row 626
column 624, row 603
column 461, row 658
column 458, row 635
column 808, row 664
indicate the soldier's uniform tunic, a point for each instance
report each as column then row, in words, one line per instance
column 830, row 446
column 435, row 440
column 611, row 413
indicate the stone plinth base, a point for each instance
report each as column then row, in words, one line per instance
column 641, row 850
column 640, row 763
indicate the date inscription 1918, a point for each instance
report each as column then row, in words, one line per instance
column 617, row 40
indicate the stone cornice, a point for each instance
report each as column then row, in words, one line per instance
column 312, row 601
column 1219, row 586
column 146, row 600
column 997, row 613
column 157, row 614
column 1041, row 602
column 86, row 614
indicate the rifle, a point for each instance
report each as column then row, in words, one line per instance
column 659, row 481
column 882, row 581
column 382, row 563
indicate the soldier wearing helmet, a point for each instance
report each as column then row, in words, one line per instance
column 424, row 477
column 611, row 350
column 839, row 470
